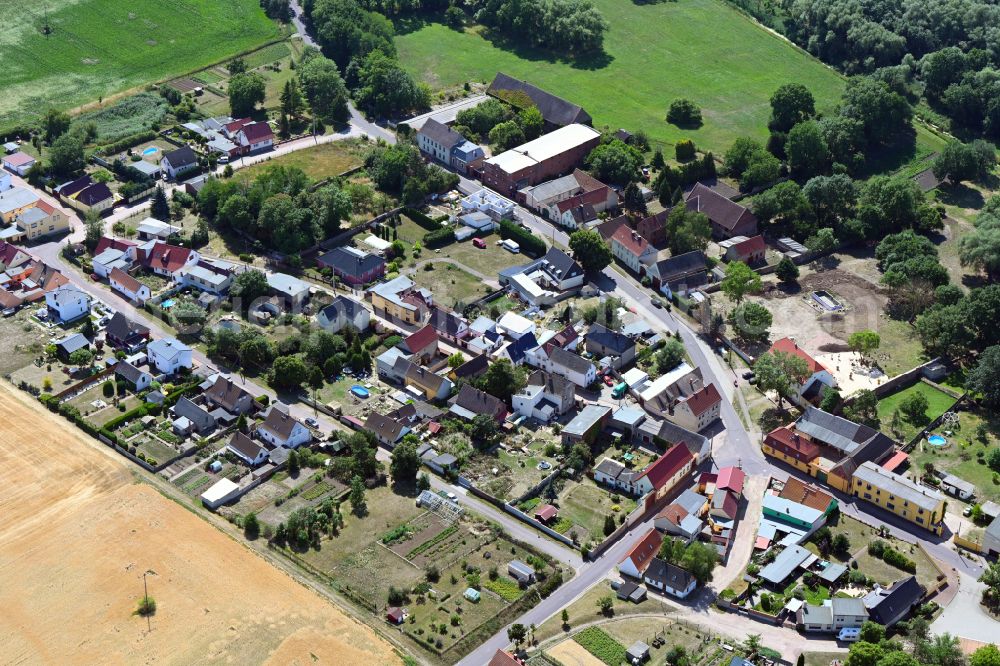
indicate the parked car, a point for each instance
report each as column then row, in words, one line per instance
column 479, row 242
column 608, row 381
column 748, row 374
column 657, row 303
column 312, row 423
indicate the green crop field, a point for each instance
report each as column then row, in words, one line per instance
column 100, row 47
column 700, row 49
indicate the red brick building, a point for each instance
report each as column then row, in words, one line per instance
column 547, row 156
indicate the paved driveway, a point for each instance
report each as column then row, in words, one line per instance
column 965, row 617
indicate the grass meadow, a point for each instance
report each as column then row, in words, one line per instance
column 100, row 47
column 700, row 49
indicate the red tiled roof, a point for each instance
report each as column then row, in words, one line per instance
column 237, row 124
column 675, row 514
column 168, row 257
column 701, row 401
column 608, row 228
column 790, row 442
column 593, row 197
column 750, row 246
column 546, row 512
column 895, row 461
column 631, row 240
column 644, row 550
column 730, row 505
column 125, row 280
column 257, row 132
column 501, row 658
column 805, row 494
column 789, row 346
column 720, row 210
column 112, row 243
column 45, row 206
column 731, row 478
column 667, row 465
column 9, row 300
column 421, row 339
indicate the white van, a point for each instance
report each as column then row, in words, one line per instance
column 849, row 634
column 510, row 246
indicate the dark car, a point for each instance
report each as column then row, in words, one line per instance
column 657, row 303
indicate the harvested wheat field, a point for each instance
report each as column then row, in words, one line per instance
column 76, row 534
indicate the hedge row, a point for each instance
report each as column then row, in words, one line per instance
column 128, row 142
column 439, row 238
column 421, row 219
column 529, row 242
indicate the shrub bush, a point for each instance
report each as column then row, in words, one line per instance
column 530, row 243
column 421, row 219
column 439, row 237
column 684, row 150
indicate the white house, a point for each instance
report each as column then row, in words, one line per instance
column 545, row 397
column 138, row 379
column 153, row 229
column 178, row 162
column 280, row 429
column 255, row 137
column 342, row 312
column 128, row 286
column 558, row 361
column 67, row 303
column 489, row 202
column 168, row 355
column 669, row 578
column 639, row 558
column 246, row 449
column 108, row 260
column 698, row 410
column 632, row 249
column 514, row 326
column 169, row 260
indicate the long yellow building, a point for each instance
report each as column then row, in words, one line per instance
column 897, row 494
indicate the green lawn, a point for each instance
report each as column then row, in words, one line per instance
column 101, row 47
column 322, row 161
column 655, row 52
column 938, row 403
column 965, row 456
column 586, row 505
column 450, row 284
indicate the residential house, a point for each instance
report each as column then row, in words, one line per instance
column 441, row 143
column 225, row 394
column 603, row 342
column 69, row 344
column 422, row 345
column 659, row 396
column 698, row 410
column 15, row 201
column 471, row 402
column 293, row 291
column 387, row 430
column 213, row 277
column 430, row 385
column 665, row 473
column 471, row 369
column 19, row 163
column 400, row 300
column 556, row 111
column 501, row 658
column 86, row 195
column 613, row 474
column 832, row 615
column 12, row 257
column 728, row 218
column 246, row 449
column 897, row 494
column 392, row 364
column 153, row 229
column 541, row 281
column 631, row 249
column 254, row 138
column 39, row 221
column 887, row 606
column 586, row 425
column 808, row 495
column 67, row 303
column 168, row 260
column 789, row 517
column 281, row 429
column 343, row 311
column 353, row 266
column 178, row 162
column 545, row 397
column 539, row 160
column 811, row 388
column 682, row 518
column 197, row 419
column 129, row 287
column 654, row 228
column 679, row 274
column 514, row 326
column 724, row 507
column 827, row 447
column 448, row 324
column 169, row 355
column 111, row 258
column 751, row 251
column 579, row 187
column 138, row 380
column 669, row 578
column 123, row 333
column 558, row 361
column 641, row 555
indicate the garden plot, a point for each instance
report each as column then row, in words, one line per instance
column 282, row 494
column 966, row 455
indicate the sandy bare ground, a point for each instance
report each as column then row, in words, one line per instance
column 76, row 534
column 571, row 653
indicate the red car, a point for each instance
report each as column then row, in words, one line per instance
column 608, row 381
column 479, row 242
